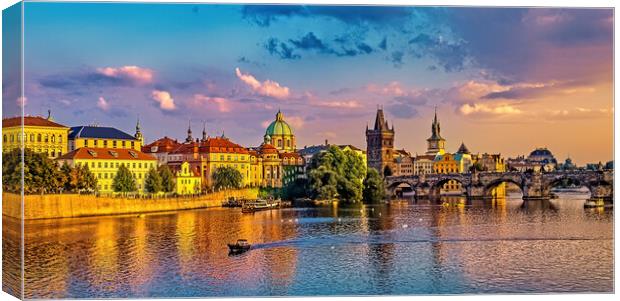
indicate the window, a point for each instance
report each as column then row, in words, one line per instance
column 134, row 165
column 105, row 165
column 279, row 143
column 86, row 142
column 132, row 144
column 99, row 164
column 53, row 153
column 12, row 138
column 53, row 139
column 46, row 138
column 39, row 138
column 59, row 138
column 114, row 143
column 123, row 144
column 105, row 143
column 31, row 138
column 4, row 139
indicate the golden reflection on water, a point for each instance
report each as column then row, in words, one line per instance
column 470, row 244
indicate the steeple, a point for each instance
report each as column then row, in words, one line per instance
column 138, row 134
column 463, row 149
column 204, row 131
column 189, row 132
column 435, row 127
column 436, row 144
column 380, row 123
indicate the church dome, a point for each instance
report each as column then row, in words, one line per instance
column 279, row 127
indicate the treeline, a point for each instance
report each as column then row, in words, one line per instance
column 43, row 175
column 337, row 174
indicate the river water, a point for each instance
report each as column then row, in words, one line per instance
column 407, row 247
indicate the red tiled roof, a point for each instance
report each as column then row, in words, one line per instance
column 290, row 155
column 267, row 149
column 30, row 121
column 106, row 154
column 212, row 145
column 163, row 145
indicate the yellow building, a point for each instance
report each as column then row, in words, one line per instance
column 447, row 163
column 210, row 153
column 41, row 135
column 187, row 180
column 104, row 163
column 103, row 137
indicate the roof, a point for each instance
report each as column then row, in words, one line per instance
column 211, row 145
column 161, row 145
column 106, row 154
column 98, row 132
column 30, row 121
column 290, row 155
column 427, row 157
column 267, row 149
column 463, row 149
column 279, row 127
column 541, row 152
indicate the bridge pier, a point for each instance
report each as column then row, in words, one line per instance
column 602, row 195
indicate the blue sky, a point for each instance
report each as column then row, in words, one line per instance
column 496, row 74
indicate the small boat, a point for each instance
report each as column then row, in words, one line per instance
column 239, row 247
column 257, row 205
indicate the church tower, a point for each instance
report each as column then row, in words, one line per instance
column 189, row 138
column 436, row 144
column 138, row 134
column 380, row 145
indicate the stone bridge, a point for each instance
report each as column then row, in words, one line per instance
column 534, row 185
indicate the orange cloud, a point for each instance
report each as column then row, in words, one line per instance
column 223, row 105
column 165, row 100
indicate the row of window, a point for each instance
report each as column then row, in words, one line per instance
column 45, row 138
column 123, row 143
column 117, row 165
column 111, row 175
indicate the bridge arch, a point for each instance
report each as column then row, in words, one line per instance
column 396, row 188
column 454, row 183
column 493, row 184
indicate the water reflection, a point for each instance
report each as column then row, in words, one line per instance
column 408, row 247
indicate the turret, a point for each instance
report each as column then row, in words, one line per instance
column 189, row 132
column 138, row 134
column 204, row 131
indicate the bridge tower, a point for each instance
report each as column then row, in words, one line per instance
column 380, row 145
column 436, row 143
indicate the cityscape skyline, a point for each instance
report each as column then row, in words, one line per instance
column 168, row 71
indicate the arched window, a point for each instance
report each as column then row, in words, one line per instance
column 31, row 137
column 53, row 140
column 47, row 138
column 12, row 138
column 59, row 138
column 38, row 137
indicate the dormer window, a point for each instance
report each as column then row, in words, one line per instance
column 92, row 153
column 133, row 154
column 114, row 154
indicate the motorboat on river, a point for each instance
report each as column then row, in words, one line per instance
column 239, row 247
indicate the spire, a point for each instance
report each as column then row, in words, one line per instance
column 189, row 132
column 463, row 149
column 380, row 123
column 435, row 127
column 204, row 131
column 279, row 116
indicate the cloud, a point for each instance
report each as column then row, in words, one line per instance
column 165, row 100
column 393, row 88
column 103, row 104
column 344, row 104
column 21, row 101
column 347, row 46
column 578, row 113
column 296, row 122
column 266, row 88
column 489, row 109
column 265, row 15
column 132, row 73
column 221, row 104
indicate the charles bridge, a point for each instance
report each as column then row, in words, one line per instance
column 534, row 185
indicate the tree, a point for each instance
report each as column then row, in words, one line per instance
column 295, row 189
column 227, row 177
column 40, row 174
column 167, row 179
column 88, row 181
column 374, row 187
column 66, row 174
column 337, row 174
column 124, row 180
column 153, row 182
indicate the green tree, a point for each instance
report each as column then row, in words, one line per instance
column 153, row 182
column 88, row 181
column 337, row 174
column 124, row 180
column 167, row 178
column 40, row 174
column 65, row 176
column 295, row 189
column 374, row 187
column 227, row 177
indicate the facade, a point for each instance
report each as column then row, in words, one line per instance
column 490, row 162
column 423, row 164
column 280, row 135
column 403, row 163
column 380, row 145
column 103, row 137
column 104, row 164
column 447, row 163
column 42, row 135
column 187, row 180
column 436, row 144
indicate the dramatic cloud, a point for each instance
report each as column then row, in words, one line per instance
column 103, row 104
column 347, row 46
column 220, row 103
column 132, row 73
column 267, row 88
column 165, row 100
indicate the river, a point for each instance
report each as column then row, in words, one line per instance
column 407, row 247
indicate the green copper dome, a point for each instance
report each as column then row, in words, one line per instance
column 279, row 127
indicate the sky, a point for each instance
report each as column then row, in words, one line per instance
column 503, row 80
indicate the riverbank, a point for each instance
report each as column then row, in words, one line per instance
column 49, row 206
